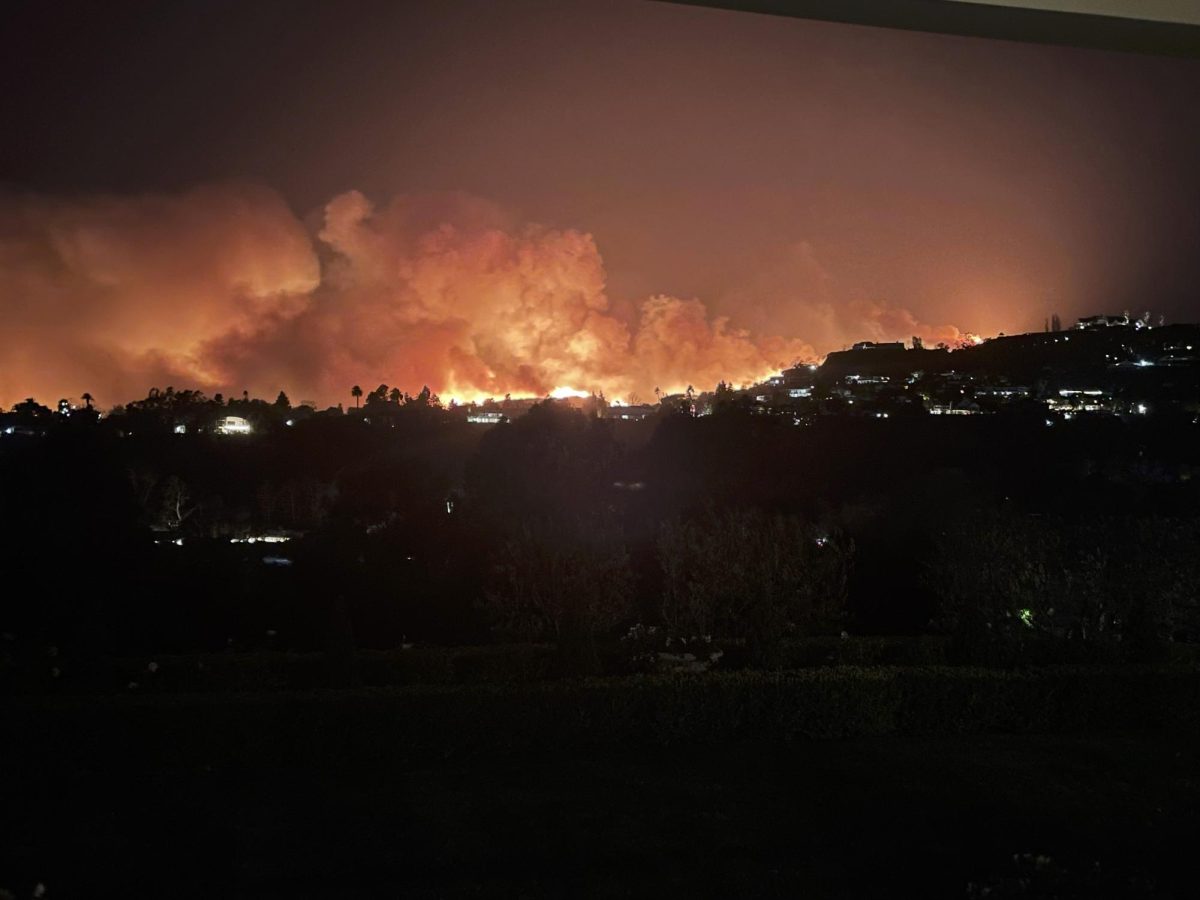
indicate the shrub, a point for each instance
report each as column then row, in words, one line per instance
column 567, row 582
column 1011, row 584
column 746, row 575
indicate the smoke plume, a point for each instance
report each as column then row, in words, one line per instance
column 224, row 288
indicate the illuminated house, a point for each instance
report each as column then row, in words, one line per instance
column 867, row 379
column 954, row 408
column 1087, row 322
column 1072, row 400
column 233, row 425
column 634, row 413
column 486, row 418
column 1003, row 392
column 878, row 345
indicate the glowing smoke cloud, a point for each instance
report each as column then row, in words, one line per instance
column 224, row 288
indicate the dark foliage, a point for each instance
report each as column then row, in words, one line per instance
column 407, row 524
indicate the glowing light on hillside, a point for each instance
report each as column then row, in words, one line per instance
column 562, row 393
column 233, row 425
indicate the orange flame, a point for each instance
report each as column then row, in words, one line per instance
column 438, row 292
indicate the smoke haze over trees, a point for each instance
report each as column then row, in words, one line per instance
column 223, row 287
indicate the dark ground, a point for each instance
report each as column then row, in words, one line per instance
column 994, row 816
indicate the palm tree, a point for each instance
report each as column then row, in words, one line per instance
column 356, row 393
column 87, row 400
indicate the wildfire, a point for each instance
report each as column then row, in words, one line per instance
column 562, row 393
column 415, row 292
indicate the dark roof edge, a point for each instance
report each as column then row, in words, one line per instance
column 1093, row 32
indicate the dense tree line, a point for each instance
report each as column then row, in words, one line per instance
column 407, row 523
column 1005, row 577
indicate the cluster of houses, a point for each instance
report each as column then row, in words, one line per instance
column 1104, row 366
column 223, row 425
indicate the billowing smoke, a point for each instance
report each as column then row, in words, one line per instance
column 795, row 293
column 223, row 288
column 111, row 295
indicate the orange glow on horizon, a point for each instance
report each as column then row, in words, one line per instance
column 562, row 393
column 472, row 310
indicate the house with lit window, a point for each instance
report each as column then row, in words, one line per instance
column 232, row 425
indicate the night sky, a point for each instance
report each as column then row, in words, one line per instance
column 517, row 196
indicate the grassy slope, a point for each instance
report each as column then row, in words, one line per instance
column 866, row 817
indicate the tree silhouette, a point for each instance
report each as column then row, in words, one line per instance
column 356, row 392
column 751, row 575
column 568, row 580
column 425, row 399
column 724, row 399
column 176, row 503
column 87, row 399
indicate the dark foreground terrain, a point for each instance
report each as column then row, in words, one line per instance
column 954, row 816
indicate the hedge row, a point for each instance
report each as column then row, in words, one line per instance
column 386, row 723
column 1033, row 649
column 267, row 670
column 503, row 664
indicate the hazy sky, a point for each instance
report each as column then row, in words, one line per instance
column 808, row 180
